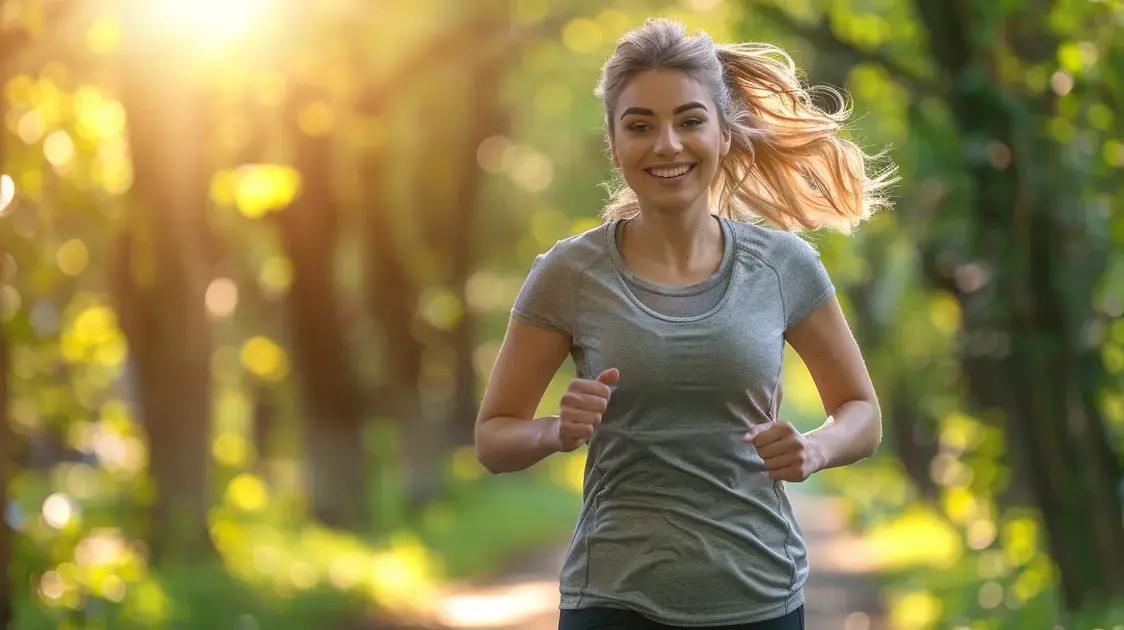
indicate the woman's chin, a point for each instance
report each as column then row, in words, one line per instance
column 671, row 200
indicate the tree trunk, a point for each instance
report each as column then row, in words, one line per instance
column 1045, row 382
column 909, row 433
column 392, row 298
column 257, row 310
column 427, row 430
column 159, row 287
column 330, row 394
column 913, row 441
column 1041, row 374
column 263, row 427
column 486, row 119
column 1058, row 377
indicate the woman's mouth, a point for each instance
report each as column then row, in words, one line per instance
column 669, row 174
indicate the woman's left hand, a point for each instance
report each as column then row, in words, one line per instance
column 788, row 454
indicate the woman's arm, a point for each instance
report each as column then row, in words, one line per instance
column 508, row 437
column 853, row 429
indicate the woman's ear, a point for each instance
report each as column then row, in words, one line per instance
column 726, row 139
column 612, row 145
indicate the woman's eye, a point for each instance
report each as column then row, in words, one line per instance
column 692, row 122
column 638, row 127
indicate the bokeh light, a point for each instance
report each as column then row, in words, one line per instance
column 58, row 511
column 59, row 149
column 7, row 192
column 263, row 357
column 73, row 257
column 32, row 126
column 221, row 297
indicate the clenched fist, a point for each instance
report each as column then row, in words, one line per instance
column 579, row 412
column 788, row 455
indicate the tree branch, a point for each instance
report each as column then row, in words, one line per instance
column 827, row 41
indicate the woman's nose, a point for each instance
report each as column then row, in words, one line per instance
column 668, row 142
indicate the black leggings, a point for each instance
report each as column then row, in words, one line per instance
column 617, row 619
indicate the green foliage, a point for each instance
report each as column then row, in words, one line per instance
column 195, row 598
column 280, row 572
column 489, row 522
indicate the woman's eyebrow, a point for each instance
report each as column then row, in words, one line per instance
column 644, row 111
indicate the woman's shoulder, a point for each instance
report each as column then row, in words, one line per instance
column 772, row 246
column 549, row 294
column 579, row 251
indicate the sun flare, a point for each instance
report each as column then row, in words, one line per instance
column 211, row 23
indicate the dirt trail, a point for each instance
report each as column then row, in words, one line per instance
column 841, row 593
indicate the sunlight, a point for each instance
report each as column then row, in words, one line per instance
column 215, row 23
column 500, row 607
column 914, row 609
column 918, row 537
column 7, row 192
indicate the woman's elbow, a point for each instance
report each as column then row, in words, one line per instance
column 490, row 451
column 484, row 454
column 874, row 439
column 490, row 463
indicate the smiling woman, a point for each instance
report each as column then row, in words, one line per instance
column 676, row 312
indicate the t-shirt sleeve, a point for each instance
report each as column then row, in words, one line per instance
column 548, row 296
column 805, row 283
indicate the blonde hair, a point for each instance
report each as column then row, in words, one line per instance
column 787, row 163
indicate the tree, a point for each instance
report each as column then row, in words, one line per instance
column 333, row 408
column 1045, row 252
column 1022, row 253
column 159, row 284
column 445, row 186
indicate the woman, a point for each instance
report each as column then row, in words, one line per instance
column 676, row 311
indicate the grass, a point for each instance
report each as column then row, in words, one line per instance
column 497, row 518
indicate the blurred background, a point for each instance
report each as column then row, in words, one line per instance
column 257, row 257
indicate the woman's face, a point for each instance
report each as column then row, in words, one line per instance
column 667, row 140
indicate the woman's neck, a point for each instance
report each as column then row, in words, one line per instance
column 685, row 246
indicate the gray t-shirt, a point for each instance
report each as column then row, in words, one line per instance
column 684, row 302
column 679, row 521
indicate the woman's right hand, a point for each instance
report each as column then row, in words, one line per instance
column 579, row 412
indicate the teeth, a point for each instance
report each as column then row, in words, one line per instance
column 670, row 172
